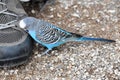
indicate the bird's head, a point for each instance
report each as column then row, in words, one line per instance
column 27, row 23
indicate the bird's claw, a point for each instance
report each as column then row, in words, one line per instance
column 46, row 53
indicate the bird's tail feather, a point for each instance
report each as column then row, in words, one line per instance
column 82, row 38
column 94, row 39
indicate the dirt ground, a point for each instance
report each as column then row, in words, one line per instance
column 76, row 60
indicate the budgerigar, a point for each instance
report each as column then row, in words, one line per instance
column 50, row 35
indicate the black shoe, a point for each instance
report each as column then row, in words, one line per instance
column 15, row 44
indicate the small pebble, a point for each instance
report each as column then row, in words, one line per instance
column 33, row 11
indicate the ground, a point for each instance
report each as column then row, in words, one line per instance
column 76, row 60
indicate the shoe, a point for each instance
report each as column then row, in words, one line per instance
column 15, row 44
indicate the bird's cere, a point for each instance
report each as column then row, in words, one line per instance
column 22, row 24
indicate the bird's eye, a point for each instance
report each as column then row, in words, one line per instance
column 27, row 30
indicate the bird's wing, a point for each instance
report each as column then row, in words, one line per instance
column 48, row 33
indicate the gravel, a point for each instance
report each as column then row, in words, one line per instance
column 76, row 60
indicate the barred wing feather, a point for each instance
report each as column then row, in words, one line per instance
column 49, row 33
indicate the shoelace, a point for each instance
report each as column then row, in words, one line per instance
column 5, row 11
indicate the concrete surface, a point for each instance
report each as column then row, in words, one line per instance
column 77, row 61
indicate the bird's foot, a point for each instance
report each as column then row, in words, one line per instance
column 46, row 53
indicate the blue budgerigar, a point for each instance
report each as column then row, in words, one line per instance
column 50, row 35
